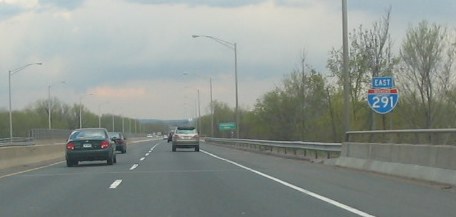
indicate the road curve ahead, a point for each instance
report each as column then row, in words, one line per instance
column 150, row 180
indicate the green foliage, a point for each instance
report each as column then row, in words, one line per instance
column 370, row 56
column 306, row 106
column 426, row 74
column 65, row 116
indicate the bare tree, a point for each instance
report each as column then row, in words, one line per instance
column 370, row 56
column 427, row 55
column 378, row 49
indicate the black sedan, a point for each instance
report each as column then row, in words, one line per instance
column 90, row 144
column 120, row 140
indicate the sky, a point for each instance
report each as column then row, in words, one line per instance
column 137, row 58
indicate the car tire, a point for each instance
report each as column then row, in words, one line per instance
column 115, row 159
column 69, row 163
column 197, row 148
column 110, row 160
column 174, row 148
column 124, row 150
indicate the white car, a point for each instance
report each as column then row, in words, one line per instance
column 186, row 137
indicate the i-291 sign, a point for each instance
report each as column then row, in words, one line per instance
column 383, row 97
column 382, row 101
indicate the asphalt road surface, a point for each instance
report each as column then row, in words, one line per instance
column 150, row 180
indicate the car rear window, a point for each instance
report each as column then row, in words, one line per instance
column 186, row 131
column 113, row 134
column 88, row 134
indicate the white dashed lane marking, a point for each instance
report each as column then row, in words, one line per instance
column 134, row 166
column 115, row 184
column 143, row 158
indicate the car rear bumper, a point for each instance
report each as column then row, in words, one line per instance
column 186, row 144
column 89, row 155
column 120, row 147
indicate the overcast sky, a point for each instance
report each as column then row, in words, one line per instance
column 137, row 57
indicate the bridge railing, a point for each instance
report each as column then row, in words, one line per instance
column 407, row 136
column 286, row 147
column 16, row 141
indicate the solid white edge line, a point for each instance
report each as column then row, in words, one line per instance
column 115, row 184
column 29, row 170
column 310, row 193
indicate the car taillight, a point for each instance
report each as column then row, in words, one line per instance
column 70, row 146
column 104, row 144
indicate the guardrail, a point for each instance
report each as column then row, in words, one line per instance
column 16, row 141
column 411, row 136
column 330, row 149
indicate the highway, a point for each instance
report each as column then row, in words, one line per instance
column 150, row 180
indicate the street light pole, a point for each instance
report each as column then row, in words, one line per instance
column 346, row 74
column 129, row 125
column 100, row 114
column 50, row 104
column 238, row 121
column 113, row 123
column 11, row 73
column 80, row 112
column 199, row 111
column 10, row 114
column 99, row 120
column 123, row 124
column 212, row 109
column 233, row 46
column 80, row 108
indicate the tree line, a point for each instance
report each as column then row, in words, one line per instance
column 66, row 116
column 308, row 104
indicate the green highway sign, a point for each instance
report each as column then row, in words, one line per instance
column 227, row 126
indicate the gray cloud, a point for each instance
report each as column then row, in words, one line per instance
column 211, row 3
column 8, row 10
column 148, row 44
column 65, row 4
column 226, row 3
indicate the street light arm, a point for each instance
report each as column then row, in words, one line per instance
column 10, row 73
column 232, row 46
column 23, row 67
column 55, row 83
column 227, row 44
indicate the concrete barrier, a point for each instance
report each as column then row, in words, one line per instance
column 17, row 156
column 436, row 163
